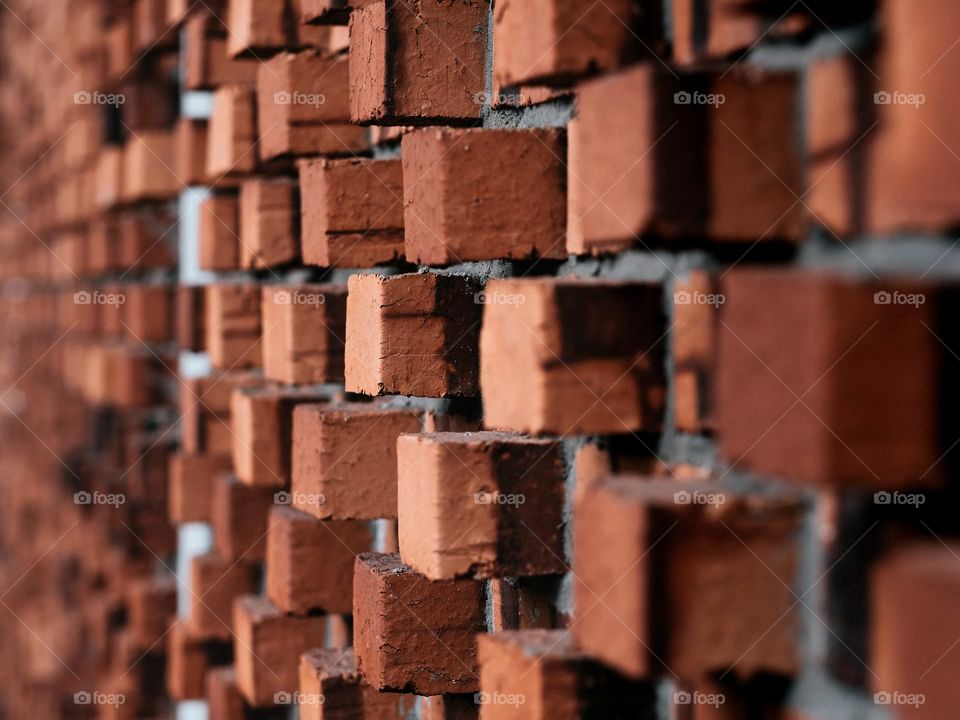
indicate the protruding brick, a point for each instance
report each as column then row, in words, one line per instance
column 484, row 504
column 332, row 689
column 262, row 422
column 268, row 646
column 303, row 333
column 147, row 312
column 560, row 356
column 188, row 661
column 205, row 411
column 332, row 12
column 191, row 486
column 232, row 135
column 696, row 326
column 220, row 233
column 263, row 27
column 206, row 65
column 686, row 578
column 214, row 583
column 310, row 561
column 352, row 212
column 804, row 391
column 417, row 64
column 151, row 609
column 148, row 160
column 239, row 519
column 269, row 222
column 412, row 334
column 412, row 634
column 345, row 459
column 550, row 41
column 233, row 325
column 459, row 206
column 735, row 134
column 541, row 675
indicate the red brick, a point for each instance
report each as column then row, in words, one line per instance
column 310, row 562
column 417, row 64
column 412, row 334
column 239, row 519
column 658, row 562
column 233, row 325
column 262, row 27
column 224, row 701
column 232, row 134
column 696, row 327
column 332, row 689
column 304, row 106
column 303, row 333
column 146, row 240
column 220, row 232
column 625, row 188
column 459, row 206
column 345, row 459
column 547, row 41
column 269, row 222
column 481, row 504
column 214, row 583
column 352, row 212
column 205, row 411
column 913, row 628
column 147, row 313
column 556, row 357
column 206, row 65
column 191, row 486
column 261, row 419
column 335, row 12
column 190, row 148
column 541, row 675
column 268, row 646
column 148, row 160
column 189, row 315
column 411, row 634
column 151, row 609
column 804, row 391
column 188, row 661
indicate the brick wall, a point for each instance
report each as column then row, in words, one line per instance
column 455, row 359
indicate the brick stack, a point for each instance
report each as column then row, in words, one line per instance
column 457, row 359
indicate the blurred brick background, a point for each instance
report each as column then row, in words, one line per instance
column 497, row 359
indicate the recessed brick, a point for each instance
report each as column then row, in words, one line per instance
column 239, row 519
column 269, row 222
column 214, row 583
column 345, row 459
column 187, row 662
column 268, row 646
column 205, row 411
column 206, row 65
column 310, row 562
column 220, row 232
column 147, row 312
column 730, row 140
column 458, row 207
column 412, row 334
column 332, row 689
column 191, row 486
column 190, row 151
column 541, row 675
column 411, row 634
column 483, row 504
column 233, row 325
column 148, row 160
column 417, row 64
column 262, row 422
column 332, row 12
column 232, row 134
column 557, row 357
column 552, row 41
column 804, row 391
column 652, row 555
column 696, row 325
column 303, row 333
column 189, row 315
column 352, row 212
column 151, row 609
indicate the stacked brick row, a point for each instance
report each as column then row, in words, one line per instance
column 454, row 359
